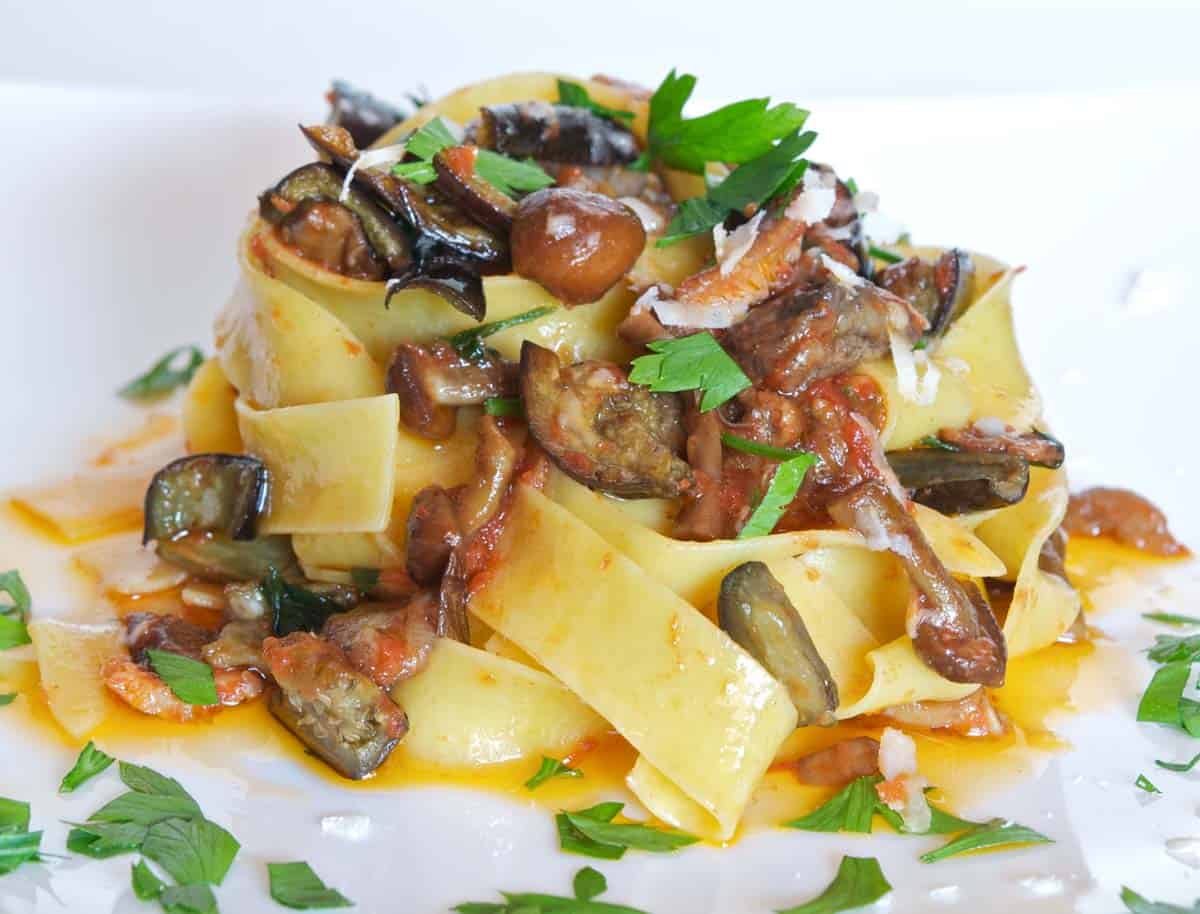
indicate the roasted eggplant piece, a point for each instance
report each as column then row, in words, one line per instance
column 320, row 182
column 577, row 245
column 343, row 717
column 432, row 535
column 811, row 333
column 222, row 494
column 447, row 232
column 433, row 380
column 952, row 626
column 364, row 116
column 1036, row 447
column 938, row 291
column 215, row 558
column 957, row 482
column 482, row 201
column 448, row 278
column 559, row 133
column 146, row 631
column 598, row 428
column 754, row 610
column 478, row 502
column 332, row 237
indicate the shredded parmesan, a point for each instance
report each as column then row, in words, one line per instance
column 714, row 316
column 815, row 202
column 916, row 387
column 903, row 789
column 731, row 247
column 651, row 218
column 841, row 272
column 372, row 158
column 990, row 425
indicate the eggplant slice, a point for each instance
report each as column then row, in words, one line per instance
column 365, row 117
column 755, row 611
column 321, row 182
column 958, row 482
column 953, row 629
column 448, row 277
column 480, row 199
column 215, row 558
column 939, row 291
column 223, row 494
column 1038, row 448
column 608, row 434
column 558, row 133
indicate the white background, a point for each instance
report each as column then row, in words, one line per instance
column 1061, row 137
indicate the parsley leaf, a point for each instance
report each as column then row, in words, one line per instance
column 1172, row 648
column 188, row 899
column 735, row 133
column 634, row 835
column 1182, row 767
column 14, row 816
column 859, row 882
column 504, row 406
column 1139, row 905
column 191, row 680
column 13, row 632
column 1161, row 701
column 146, row 886
column 417, row 172
column 430, row 139
column 776, row 171
column 784, row 485
column 572, row 840
column 165, row 375
column 469, row 343
column 143, row 780
column 1172, row 618
column 885, row 256
column 91, row 762
column 576, row 96
column 695, row 362
column 589, row 883
column 17, row 843
column 191, row 850
column 144, row 809
column 510, row 176
column 295, row 885
column 851, row 809
column 990, row 834
column 100, row 840
column 7, row 698
column 746, row 446
column 1144, row 783
column 551, row 768
column 294, row 608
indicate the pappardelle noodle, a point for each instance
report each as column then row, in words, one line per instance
column 548, row 411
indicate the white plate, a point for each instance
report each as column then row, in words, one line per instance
column 120, row 214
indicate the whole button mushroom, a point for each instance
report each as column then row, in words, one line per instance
column 575, row 244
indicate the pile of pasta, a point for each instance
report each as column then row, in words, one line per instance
column 593, row 618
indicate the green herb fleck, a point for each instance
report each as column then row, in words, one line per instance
column 191, row 680
column 510, row 176
column 937, row 443
column 166, row 374
column 633, row 835
column 695, row 362
column 17, row 843
column 13, row 632
column 746, row 446
column 1144, row 783
column 511, row 407
column 996, row 833
column 784, row 485
column 1139, row 905
column 885, row 256
column 146, row 886
column 295, row 608
column 191, row 850
column 859, row 882
column 576, row 96
column 196, row 898
column 7, row 698
column 574, row 841
column 91, row 762
column 295, row 885
column 430, row 139
column 852, row 186
column 1172, row 618
column 101, row 840
column 1162, row 699
column 1175, row 648
column 1182, row 767
column 589, row 883
column 851, row 809
column 469, row 343
column 551, row 768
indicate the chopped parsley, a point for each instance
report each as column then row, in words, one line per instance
column 1136, row 904
column 884, row 255
column 146, row 886
column 593, row 833
column 295, row 608
column 587, row 885
column 295, row 885
column 91, row 762
column 997, row 833
column 17, row 843
column 469, row 343
column 858, row 883
column 1172, row 618
column 191, row 680
column 504, row 406
column 784, row 485
column 174, row 369
column 933, row 441
column 695, row 362
column 551, row 768
column 1144, row 783
column 13, row 616
column 507, row 175
column 576, row 96
column 746, row 446
column 7, row 698
column 1181, row 767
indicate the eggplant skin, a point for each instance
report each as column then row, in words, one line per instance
column 337, row 712
column 225, row 561
column 754, row 610
column 364, row 116
column 220, row 494
column 558, row 133
column 958, row 482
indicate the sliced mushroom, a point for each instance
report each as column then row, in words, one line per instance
column 817, row 332
column 839, row 764
column 343, row 717
column 939, row 291
column 387, row 642
column 957, row 482
column 478, row 502
column 364, row 116
column 754, row 610
column 432, row 535
column 1124, row 516
column 1037, row 448
column 223, row 494
column 319, row 182
column 603, row 431
column 145, row 631
column 952, row 627
column 433, row 380
column 457, row 179
column 559, row 133
column 702, row 516
column 577, row 245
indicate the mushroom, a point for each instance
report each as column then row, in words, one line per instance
column 559, row 133
column 602, row 430
column 957, row 482
column 754, row 610
column 702, row 516
column 939, row 291
column 433, row 380
column 432, row 535
column 1124, row 516
column 576, row 244
column 343, row 717
column 952, row 627
column 319, row 182
column 839, row 764
column 146, row 631
column 387, row 642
